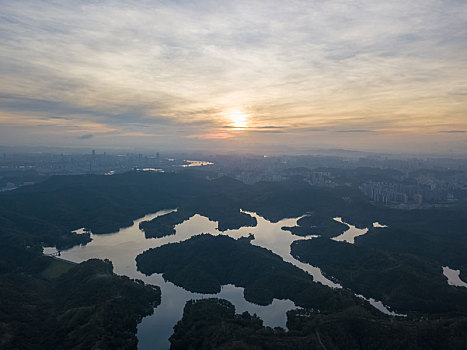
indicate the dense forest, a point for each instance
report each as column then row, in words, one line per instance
column 213, row 324
column 400, row 264
column 317, row 224
column 406, row 282
column 53, row 304
column 204, row 263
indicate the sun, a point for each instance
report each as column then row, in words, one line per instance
column 239, row 119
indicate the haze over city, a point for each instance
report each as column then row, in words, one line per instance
column 283, row 76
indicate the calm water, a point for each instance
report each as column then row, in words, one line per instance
column 192, row 163
column 352, row 232
column 453, row 277
column 123, row 246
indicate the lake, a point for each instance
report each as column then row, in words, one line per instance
column 123, row 246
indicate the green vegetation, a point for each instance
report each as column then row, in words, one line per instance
column 220, row 207
column 228, row 217
column 50, row 304
column 443, row 244
column 213, row 324
column 204, row 263
column 164, row 225
column 400, row 265
column 317, row 224
column 56, row 268
column 46, row 213
column 277, row 200
column 405, row 282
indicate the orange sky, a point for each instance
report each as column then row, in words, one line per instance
column 363, row 75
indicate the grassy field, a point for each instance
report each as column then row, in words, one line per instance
column 56, row 268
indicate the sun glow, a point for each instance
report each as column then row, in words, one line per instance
column 239, row 119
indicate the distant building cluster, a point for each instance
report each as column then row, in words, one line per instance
column 406, row 183
column 22, row 169
column 397, row 193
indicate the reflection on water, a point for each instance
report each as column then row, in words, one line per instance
column 380, row 306
column 50, row 251
column 150, row 170
column 154, row 330
column 453, row 277
column 349, row 235
column 81, row 231
column 123, row 246
column 196, row 163
column 270, row 235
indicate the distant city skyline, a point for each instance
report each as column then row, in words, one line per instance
column 240, row 76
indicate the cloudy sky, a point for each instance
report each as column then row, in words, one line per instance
column 364, row 75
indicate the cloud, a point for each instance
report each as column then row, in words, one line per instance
column 270, row 131
column 355, row 130
column 211, row 136
column 452, row 132
column 86, row 137
column 310, row 66
column 267, row 127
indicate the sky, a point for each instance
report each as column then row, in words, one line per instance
column 384, row 76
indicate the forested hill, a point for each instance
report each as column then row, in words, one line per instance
column 47, row 212
column 415, row 243
column 52, row 304
column 213, row 324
